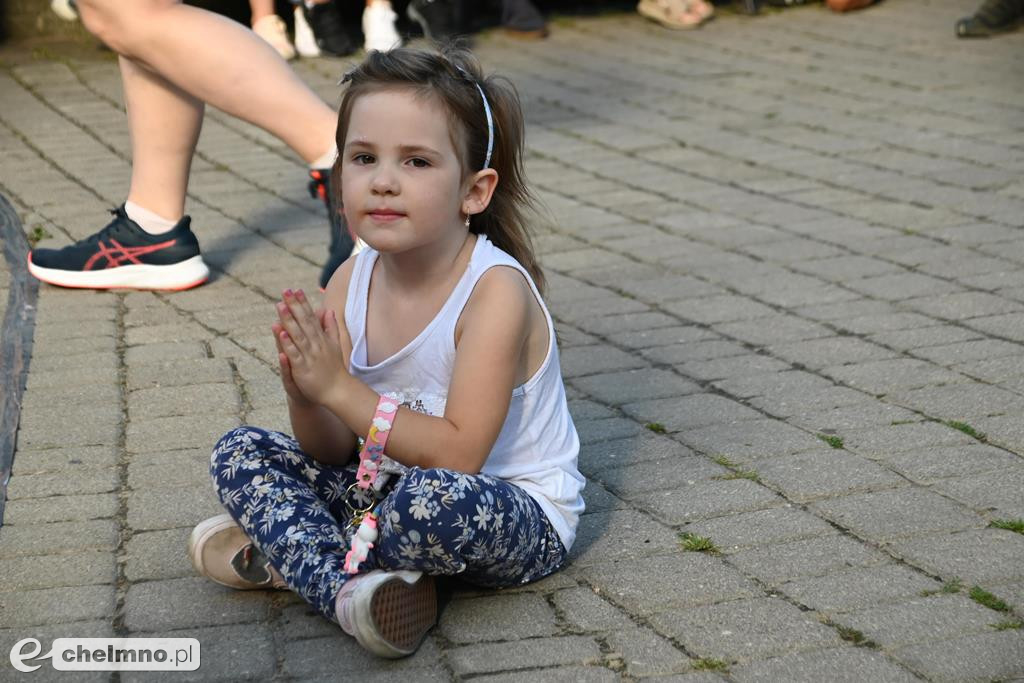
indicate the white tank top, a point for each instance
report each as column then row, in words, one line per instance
column 537, row 447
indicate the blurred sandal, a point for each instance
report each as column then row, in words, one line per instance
column 674, row 14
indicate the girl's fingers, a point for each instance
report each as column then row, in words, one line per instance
column 301, row 313
column 331, row 327
column 291, row 326
column 289, row 347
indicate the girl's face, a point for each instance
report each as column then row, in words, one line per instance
column 400, row 174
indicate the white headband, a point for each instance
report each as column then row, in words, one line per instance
column 487, row 111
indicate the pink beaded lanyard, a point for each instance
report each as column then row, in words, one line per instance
column 370, row 458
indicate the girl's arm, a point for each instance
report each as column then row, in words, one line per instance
column 495, row 325
column 319, row 431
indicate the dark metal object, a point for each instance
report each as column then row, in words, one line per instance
column 15, row 339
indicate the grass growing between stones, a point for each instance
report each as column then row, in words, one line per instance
column 705, row 664
column 986, row 599
column 832, row 440
column 737, row 472
column 656, row 427
column 697, row 544
column 966, row 429
column 37, row 233
column 954, row 585
column 1016, row 525
column 1008, row 624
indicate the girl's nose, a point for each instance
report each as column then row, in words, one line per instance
column 384, row 181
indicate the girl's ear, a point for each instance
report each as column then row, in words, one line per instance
column 479, row 190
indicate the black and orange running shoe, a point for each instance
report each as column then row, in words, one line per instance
column 123, row 255
column 342, row 242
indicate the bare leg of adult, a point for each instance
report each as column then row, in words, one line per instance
column 219, row 62
column 164, row 122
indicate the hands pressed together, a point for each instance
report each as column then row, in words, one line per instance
column 308, row 349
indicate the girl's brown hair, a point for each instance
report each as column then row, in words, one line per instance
column 450, row 76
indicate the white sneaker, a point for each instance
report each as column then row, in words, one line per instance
column 65, row 9
column 305, row 41
column 379, row 27
column 388, row 613
column 271, row 28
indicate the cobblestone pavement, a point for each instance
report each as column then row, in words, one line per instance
column 785, row 259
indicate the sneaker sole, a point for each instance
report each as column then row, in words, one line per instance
column 401, row 614
column 184, row 275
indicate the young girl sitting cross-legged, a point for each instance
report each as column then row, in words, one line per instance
column 435, row 346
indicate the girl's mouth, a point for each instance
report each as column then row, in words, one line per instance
column 385, row 215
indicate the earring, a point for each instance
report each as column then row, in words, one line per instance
column 467, row 220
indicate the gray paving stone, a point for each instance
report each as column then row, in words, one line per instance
column 886, row 376
column 155, row 606
column 583, row 409
column 612, row 428
column 920, row 621
column 662, row 336
column 169, row 433
column 742, row 630
column 775, row 329
column 619, row 534
column 961, row 402
column 227, row 653
column 201, row 399
column 707, row 499
column 65, row 460
column 981, row 657
column 625, row 387
column 23, row 540
column 749, row 440
column 845, row 665
column 645, row 446
column 734, row 366
column 663, row 582
column 718, row 309
column 956, row 555
column 90, row 567
column 858, row 588
column 644, row 653
column 88, row 480
column 562, row 674
column 704, row 349
column 884, row 440
column 639, row 480
column 923, row 337
column 526, row 654
column 584, row 610
column 57, row 605
column 776, row 563
column 831, row 351
column 690, row 412
column 844, row 419
column 598, row 358
column 761, row 527
column 1000, row 493
column 824, row 473
column 304, row 659
column 168, row 508
column 887, row 516
column 155, row 555
column 60, row 509
column 497, row 617
column 928, row 465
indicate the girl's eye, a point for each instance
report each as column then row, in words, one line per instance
column 363, row 158
column 419, row 163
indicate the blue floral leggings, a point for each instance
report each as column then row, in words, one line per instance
column 442, row 522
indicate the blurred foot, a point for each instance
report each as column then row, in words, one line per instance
column 993, row 17
column 521, row 19
column 328, row 27
column 436, row 18
column 272, row 29
column 379, row 31
column 65, row 9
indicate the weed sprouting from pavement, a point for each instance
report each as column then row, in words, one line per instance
column 705, row 664
column 1009, row 524
column 986, row 599
column 832, row 440
column 656, row 427
column 697, row 544
column 966, row 429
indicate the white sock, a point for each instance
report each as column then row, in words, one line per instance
column 327, row 159
column 152, row 223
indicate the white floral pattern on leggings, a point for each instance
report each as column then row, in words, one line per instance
column 482, row 529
